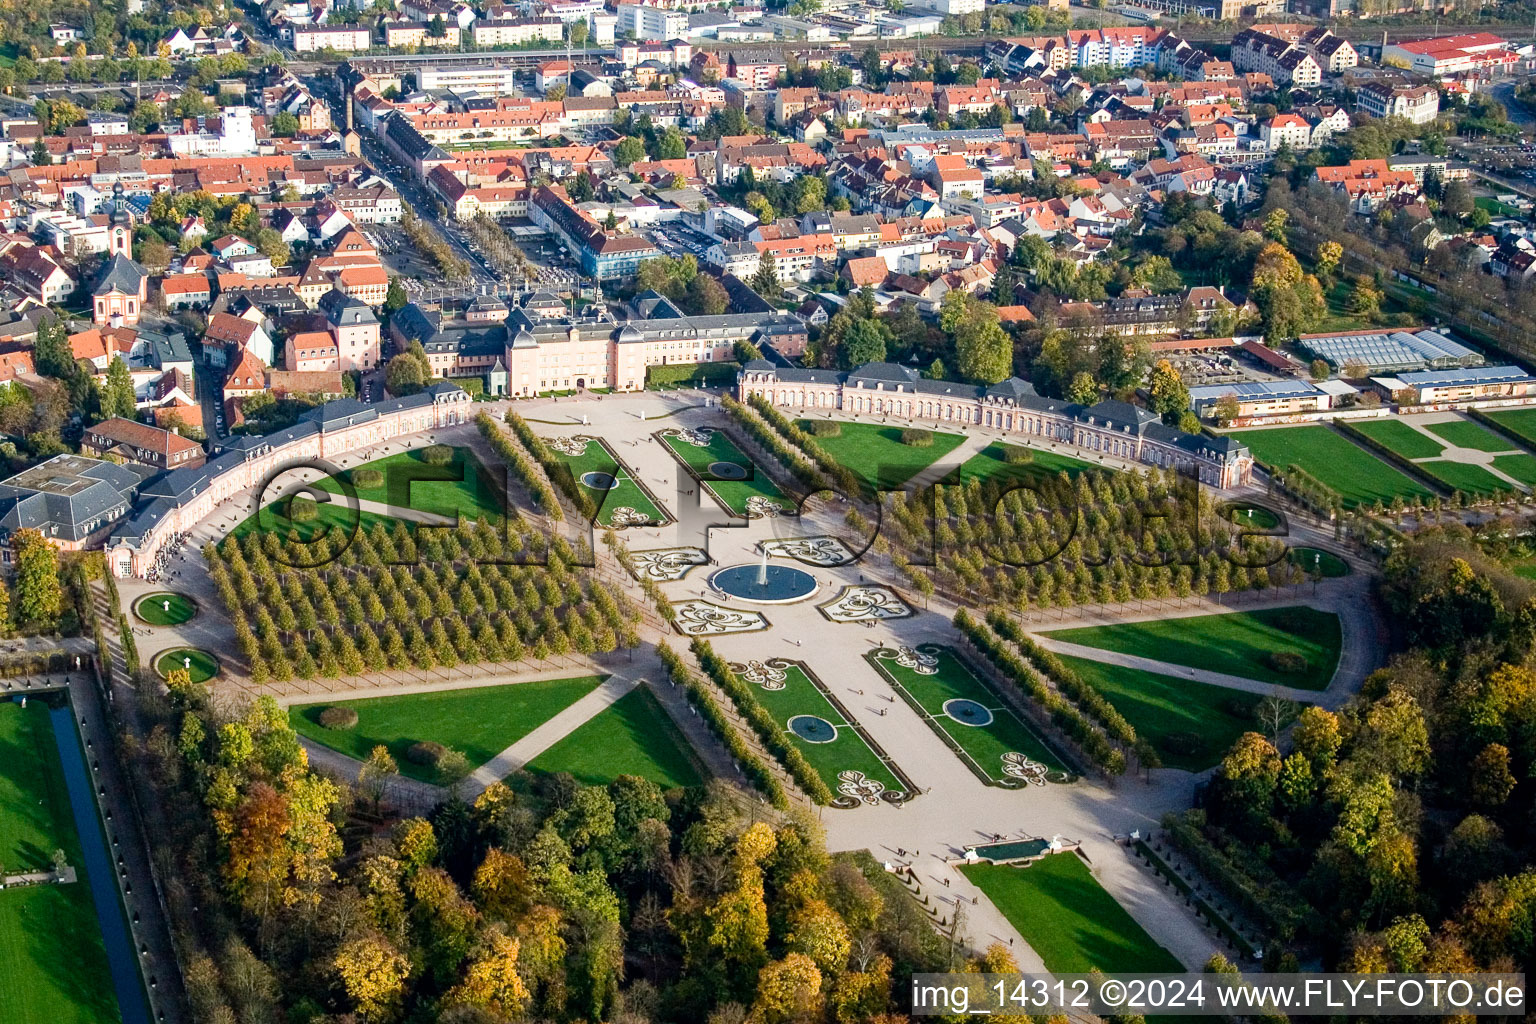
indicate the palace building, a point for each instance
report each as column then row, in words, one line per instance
column 1116, row 429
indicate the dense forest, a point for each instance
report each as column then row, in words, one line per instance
column 1396, row 833
column 298, row 900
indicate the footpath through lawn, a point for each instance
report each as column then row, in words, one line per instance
column 1234, row 644
column 479, row 722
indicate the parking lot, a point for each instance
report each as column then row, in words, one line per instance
column 678, row 240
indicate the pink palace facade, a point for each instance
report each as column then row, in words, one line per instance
column 1112, row 428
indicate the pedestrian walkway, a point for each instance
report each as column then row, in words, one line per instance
column 548, row 734
column 1164, row 668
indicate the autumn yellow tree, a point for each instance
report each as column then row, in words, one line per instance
column 787, row 990
column 501, row 886
column 491, row 981
column 373, row 973
column 817, row 931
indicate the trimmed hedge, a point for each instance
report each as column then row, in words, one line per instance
column 1255, row 890
column 768, row 730
column 1089, row 700
column 302, row 509
column 368, row 479
column 916, row 437
column 338, row 718
column 824, row 428
column 672, row 375
column 437, row 455
column 1391, row 457
column 526, row 472
column 1016, row 455
column 709, row 709
column 1089, row 736
column 425, row 752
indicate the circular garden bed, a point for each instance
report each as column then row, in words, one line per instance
column 1325, row 563
column 202, row 665
column 165, row 608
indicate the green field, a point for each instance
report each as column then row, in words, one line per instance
column 1401, row 438
column 876, row 455
column 1464, row 476
column 273, row 518
column 1520, row 422
column 1467, row 434
column 847, row 751
column 203, row 667
column 1254, row 518
column 625, row 494
column 1068, row 918
column 983, row 745
column 1330, row 565
column 151, row 608
column 633, row 737
column 1192, row 725
column 1521, row 467
column 55, row 965
column 1358, row 476
column 708, row 462
column 1234, row 644
column 479, row 722
column 988, row 463
column 470, row 494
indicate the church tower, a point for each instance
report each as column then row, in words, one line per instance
column 120, row 231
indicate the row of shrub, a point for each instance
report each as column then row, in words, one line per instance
column 1266, row 900
column 1387, row 455
column 766, row 727
column 704, row 702
column 652, row 589
column 526, row 472
column 1089, row 737
column 1089, row 700
column 846, row 479
column 763, row 433
column 556, row 469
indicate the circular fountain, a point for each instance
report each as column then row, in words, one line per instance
column 764, row 583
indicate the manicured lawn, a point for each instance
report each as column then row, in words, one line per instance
column 55, row 965
column 984, row 744
column 846, row 751
column 152, row 608
column 1234, row 644
column 1254, row 518
column 712, row 463
column 1401, row 438
column 1326, row 562
column 1192, row 725
column 203, row 667
column 1068, row 918
column 479, row 722
column 633, row 737
column 1463, row 476
column 1358, row 476
column 1521, row 467
column 334, row 516
column 408, row 484
column 1467, row 434
column 989, row 463
column 1521, row 422
column 595, row 465
column 876, row 455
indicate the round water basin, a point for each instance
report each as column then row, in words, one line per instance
column 771, row 584
column 599, row 481
column 967, row 712
column 813, row 729
column 727, row 471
